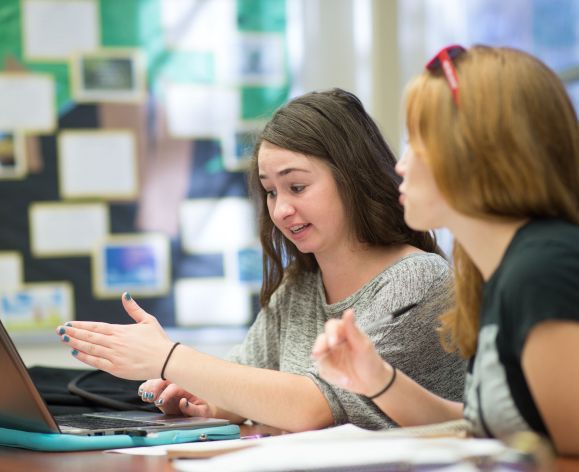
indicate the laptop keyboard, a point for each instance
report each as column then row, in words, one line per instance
column 93, row 422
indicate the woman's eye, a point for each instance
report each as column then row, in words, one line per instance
column 270, row 193
column 297, row 188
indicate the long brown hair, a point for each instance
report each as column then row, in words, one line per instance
column 510, row 150
column 334, row 127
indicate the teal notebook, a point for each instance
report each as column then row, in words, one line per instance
column 69, row 442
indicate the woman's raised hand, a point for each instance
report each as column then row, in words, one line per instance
column 346, row 357
column 135, row 351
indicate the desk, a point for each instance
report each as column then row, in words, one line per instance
column 17, row 460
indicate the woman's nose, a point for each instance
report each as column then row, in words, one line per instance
column 401, row 165
column 283, row 208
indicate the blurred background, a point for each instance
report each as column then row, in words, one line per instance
column 126, row 127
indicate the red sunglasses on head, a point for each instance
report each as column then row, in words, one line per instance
column 444, row 59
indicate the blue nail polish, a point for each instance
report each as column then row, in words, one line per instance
column 66, row 338
column 151, row 395
column 68, row 324
column 159, row 402
column 128, row 296
column 74, row 352
column 61, row 331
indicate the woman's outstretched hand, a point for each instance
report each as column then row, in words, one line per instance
column 173, row 400
column 346, row 357
column 134, row 351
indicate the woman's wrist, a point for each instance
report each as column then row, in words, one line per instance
column 382, row 377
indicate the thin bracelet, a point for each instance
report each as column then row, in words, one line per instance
column 167, row 360
column 388, row 385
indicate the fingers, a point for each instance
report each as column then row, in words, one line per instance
column 351, row 332
column 151, row 390
column 92, row 326
column 331, row 338
column 86, row 342
column 93, row 361
column 320, row 347
column 70, row 334
column 188, row 408
column 133, row 308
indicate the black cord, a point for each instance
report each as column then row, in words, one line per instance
column 74, row 388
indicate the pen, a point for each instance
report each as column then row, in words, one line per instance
column 378, row 323
column 390, row 316
column 256, row 436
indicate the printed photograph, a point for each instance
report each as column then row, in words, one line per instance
column 138, row 264
column 37, row 306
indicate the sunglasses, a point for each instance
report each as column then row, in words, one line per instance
column 443, row 59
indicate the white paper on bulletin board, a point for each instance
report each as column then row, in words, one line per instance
column 214, row 225
column 10, row 270
column 64, row 229
column 55, row 29
column 198, row 25
column 99, row 164
column 27, row 102
column 37, row 306
column 211, row 302
column 201, row 111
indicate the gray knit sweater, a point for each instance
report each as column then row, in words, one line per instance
column 283, row 334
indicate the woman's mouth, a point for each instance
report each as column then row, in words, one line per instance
column 298, row 228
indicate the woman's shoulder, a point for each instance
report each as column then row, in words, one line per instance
column 421, row 265
column 417, row 276
column 302, row 283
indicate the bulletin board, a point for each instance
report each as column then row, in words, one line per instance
column 125, row 132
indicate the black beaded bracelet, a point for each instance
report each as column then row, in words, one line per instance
column 167, row 360
column 388, row 385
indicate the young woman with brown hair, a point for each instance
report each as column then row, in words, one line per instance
column 334, row 238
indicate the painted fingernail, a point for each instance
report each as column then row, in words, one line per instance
column 74, row 352
column 186, row 403
column 159, row 402
column 66, row 338
column 68, row 324
column 151, row 395
column 61, row 331
column 140, row 391
column 128, row 296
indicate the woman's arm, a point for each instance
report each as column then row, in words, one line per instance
column 138, row 351
column 347, row 357
column 287, row 401
column 550, row 361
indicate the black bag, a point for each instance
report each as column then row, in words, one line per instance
column 73, row 391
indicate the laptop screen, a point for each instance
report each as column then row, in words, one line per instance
column 21, row 406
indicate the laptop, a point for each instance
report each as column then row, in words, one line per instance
column 22, row 407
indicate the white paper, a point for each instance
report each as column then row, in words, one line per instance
column 211, row 301
column 315, row 454
column 202, row 111
column 27, row 102
column 10, row 270
column 253, row 59
column 53, row 29
column 198, row 25
column 67, row 229
column 217, row 224
column 99, row 164
column 194, row 446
